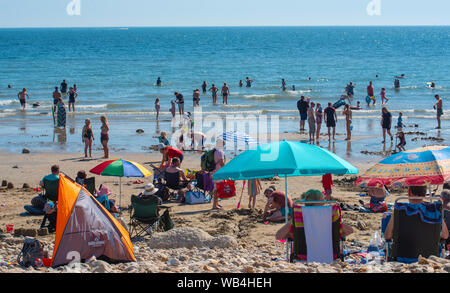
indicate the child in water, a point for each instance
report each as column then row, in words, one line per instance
column 402, row 141
column 172, row 109
column 383, row 96
column 157, row 107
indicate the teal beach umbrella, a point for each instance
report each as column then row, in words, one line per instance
column 284, row 159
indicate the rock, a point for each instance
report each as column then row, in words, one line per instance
column 25, row 185
column 140, row 131
column 361, row 225
column 25, row 232
column 447, row 267
column 25, row 151
column 190, row 237
column 4, row 183
column 10, row 185
column 99, row 266
column 174, row 262
column 207, row 268
column 249, row 270
column 15, row 167
column 43, row 232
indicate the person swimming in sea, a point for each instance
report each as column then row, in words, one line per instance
column 293, row 88
column 248, row 81
column 158, row 81
column 241, row 84
column 283, row 84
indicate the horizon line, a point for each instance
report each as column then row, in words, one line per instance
column 228, row 26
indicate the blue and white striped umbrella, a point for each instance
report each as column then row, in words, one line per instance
column 238, row 137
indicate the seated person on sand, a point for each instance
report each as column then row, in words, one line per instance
column 150, row 191
column 277, row 208
column 81, row 176
column 311, row 195
column 377, row 202
column 445, row 196
column 54, row 176
column 267, row 194
column 414, row 191
column 50, row 215
column 174, row 174
column 103, row 197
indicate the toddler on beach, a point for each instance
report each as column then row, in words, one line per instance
column 377, row 202
column 172, row 109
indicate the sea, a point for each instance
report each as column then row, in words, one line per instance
column 115, row 70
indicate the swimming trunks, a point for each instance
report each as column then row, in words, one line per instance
column 440, row 112
column 303, row 116
column 22, row 102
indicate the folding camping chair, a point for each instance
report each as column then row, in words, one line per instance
column 51, row 188
column 90, row 185
column 144, row 215
column 298, row 245
column 417, row 230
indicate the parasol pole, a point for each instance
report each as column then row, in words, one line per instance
column 286, row 213
column 120, row 191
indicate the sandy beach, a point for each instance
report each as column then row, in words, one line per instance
column 228, row 240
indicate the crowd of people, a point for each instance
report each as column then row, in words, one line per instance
column 315, row 115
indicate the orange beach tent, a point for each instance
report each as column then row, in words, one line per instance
column 84, row 226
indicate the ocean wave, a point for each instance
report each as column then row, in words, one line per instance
column 8, row 102
column 261, row 96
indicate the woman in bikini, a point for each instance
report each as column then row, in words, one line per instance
column 104, row 136
column 319, row 118
column 348, row 119
column 88, row 137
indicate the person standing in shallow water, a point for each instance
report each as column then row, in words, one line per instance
column 386, row 123
column 22, row 98
column 104, row 136
column 348, row 120
column 204, row 86
column 158, row 81
column 225, row 93
column 330, row 120
column 440, row 111
column 214, row 91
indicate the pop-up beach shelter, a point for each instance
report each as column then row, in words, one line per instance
column 85, row 228
column 284, row 159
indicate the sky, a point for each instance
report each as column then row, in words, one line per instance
column 130, row 13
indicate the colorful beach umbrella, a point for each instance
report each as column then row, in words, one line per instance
column 284, row 159
column 423, row 166
column 120, row 168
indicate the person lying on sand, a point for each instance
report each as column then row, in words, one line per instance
column 311, row 195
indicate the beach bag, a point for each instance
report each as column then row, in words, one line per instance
column 166, row 221
column 226, row 189
column 207, row 161
column 195, row 197
column 32, row 249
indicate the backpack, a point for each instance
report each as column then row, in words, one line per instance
column 31, row 250
column 166, row 221
column 207, row 160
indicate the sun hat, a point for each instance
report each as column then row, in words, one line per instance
column 313, row 195
column 48, row 206
column 150, row 189
column 104, row 190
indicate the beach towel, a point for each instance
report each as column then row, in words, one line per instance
column 318, row 232
column 61, row 116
